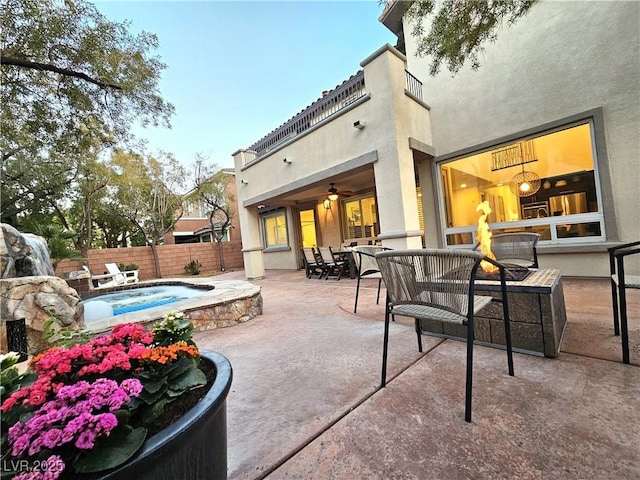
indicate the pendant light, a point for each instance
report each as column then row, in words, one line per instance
column 525, row 183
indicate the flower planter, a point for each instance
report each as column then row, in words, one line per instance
column 193, row 447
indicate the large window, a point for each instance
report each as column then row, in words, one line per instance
column 560, row 199
column 361, row 218
column 274, row 226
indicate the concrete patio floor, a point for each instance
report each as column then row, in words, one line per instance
column 305, row 403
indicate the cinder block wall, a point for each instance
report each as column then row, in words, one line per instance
column 173, row 258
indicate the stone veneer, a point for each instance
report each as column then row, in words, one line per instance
column 536, row 308
column 223, row 303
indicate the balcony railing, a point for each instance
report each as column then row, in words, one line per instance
column 414, row 86
column 334, row 101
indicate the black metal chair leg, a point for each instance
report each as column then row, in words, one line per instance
column 614, row 299
column 469, row 380
column 385, row 346
column 624, row 329
column 419, row 333
column 355, row 305
column 622, row 294
column 379, row 285
column 507, row 328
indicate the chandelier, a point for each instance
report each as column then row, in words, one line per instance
column 525, row 183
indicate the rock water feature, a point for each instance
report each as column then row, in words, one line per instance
column 30, row 290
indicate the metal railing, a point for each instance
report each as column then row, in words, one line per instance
column 414, row 86
column 334, row 101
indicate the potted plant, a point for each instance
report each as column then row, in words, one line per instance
column 115, row 407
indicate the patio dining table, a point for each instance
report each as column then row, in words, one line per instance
column 347, row 255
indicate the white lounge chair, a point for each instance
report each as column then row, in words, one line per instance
column 122, row 278
column 102, row 281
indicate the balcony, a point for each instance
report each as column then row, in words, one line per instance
column 330, row 103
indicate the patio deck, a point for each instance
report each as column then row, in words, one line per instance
column 304, row 401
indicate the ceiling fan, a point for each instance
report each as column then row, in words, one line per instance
column 334, row 193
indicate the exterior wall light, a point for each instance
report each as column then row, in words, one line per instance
column 288, row 162
column 327, row 204
column 359, row 125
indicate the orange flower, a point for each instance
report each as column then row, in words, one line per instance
column 165, row 355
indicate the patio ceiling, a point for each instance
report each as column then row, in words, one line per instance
column 355, row 181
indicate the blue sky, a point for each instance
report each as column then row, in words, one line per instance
column 237, row 69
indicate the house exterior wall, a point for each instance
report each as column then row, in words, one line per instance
column 561, row 59
column 333, row 147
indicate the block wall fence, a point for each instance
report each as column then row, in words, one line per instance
column 173, row 259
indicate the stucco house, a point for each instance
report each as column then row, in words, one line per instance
column 546, row 131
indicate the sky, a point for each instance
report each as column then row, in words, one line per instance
column 236, row 70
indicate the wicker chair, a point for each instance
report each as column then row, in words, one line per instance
column 516, row 248
column 437, row 284
column 620, row 282
column 367, row 267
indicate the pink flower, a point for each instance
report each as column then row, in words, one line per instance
column 20, row 445
column 107, row 422
column 132, row 386
column 8, row 404
column 15, row 431
column 36, row 446
column 52, row 438
column 86, row 440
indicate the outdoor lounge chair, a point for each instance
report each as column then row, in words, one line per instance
column 102, row 281
column 329, row 264
column 122, row 278
column 517, row 248
column 619, row 284
column 311, row 264
column 438, row 284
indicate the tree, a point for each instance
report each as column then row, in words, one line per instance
column 70, row 80
column 148, row 194
column 92, row 179
column 458, row 31
column 211, row 189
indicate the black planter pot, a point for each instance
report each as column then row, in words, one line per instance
column 194, row 447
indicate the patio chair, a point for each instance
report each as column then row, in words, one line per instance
column 620, row 282
column 367, row 267
column 311, row 264
column 329, row 264
column 122, row 278
column 438, row 284
column 517, row 248
column 102, row 281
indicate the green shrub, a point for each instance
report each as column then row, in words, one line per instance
column 193, row 267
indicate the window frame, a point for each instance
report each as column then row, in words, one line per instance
column 281, row 212
column 344, row 221
column 605, row 215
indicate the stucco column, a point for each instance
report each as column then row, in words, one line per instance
column 394, row 171
column 249, row 220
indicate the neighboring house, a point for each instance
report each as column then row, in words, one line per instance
column 194, row 226
column 557, row 95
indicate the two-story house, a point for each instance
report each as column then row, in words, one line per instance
column 194, row 226
column 546, row 131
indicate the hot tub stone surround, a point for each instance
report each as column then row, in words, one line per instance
column 224, row 303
